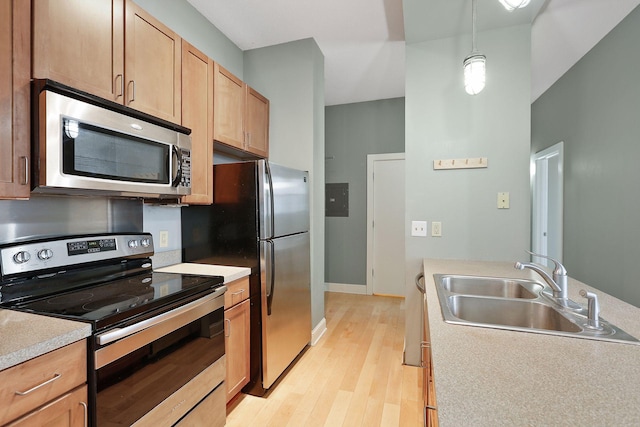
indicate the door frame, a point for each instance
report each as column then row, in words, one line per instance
column 371, row 159
column 540, row 196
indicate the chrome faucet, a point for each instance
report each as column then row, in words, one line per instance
column 557, row 282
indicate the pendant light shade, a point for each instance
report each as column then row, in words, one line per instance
column 474, row 73
column 474, row 65
column 514, row 4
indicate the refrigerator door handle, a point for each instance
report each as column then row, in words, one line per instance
column 270, row 233
column 272, row 279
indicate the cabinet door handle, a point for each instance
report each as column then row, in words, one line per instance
column 121, row 85
column 133, row 91
column 420, row 286
column 86, row 414
column 229, row 328
column 32, row 389
column 25, row 177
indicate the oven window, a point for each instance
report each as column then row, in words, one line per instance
column 134, row 384
column 101, row 153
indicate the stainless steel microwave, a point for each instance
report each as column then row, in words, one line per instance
column 86, row 145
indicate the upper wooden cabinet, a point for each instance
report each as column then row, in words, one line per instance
column 228, row 108
column 240, row 114
column 257, row 123
column 15, row 60
column 152, row 65
column 112, row 49
column 197, row 114
column 81, row 44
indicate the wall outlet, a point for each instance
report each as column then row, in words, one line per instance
column 164, row 239
column 503, row 200
column 419, row 228
column 436, row 229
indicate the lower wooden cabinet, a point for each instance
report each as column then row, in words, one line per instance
column 237, row 338
column 69, row 410
column 237, row 333
column 428, row 383
column 46, row 388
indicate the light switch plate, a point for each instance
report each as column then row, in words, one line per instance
column 419, row 228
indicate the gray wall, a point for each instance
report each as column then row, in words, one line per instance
column 594, row 108
column 443, row 122
column 352, row 132
column 291, row 75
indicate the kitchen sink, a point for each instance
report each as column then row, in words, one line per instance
column 517, row 305
column 509, row 312
column 492, row 286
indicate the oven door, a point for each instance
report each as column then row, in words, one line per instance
column 164, row 369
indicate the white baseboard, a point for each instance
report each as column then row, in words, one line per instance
column 318, row 331
column 346, row 288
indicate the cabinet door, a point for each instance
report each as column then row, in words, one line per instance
column 152, row 65
column 228, row 108
column 236, row 332
column 197, row 115
column 15, row 56
column 257, row 123
column 80, row 43
column 69, row 410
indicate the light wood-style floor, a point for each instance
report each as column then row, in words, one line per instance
column 353, row 377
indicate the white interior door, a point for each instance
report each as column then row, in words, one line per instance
column 546, row 230
column 386, row 225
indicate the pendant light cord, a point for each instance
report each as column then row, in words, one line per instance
column 473, row 26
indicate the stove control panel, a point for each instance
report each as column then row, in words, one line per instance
column 43, row 254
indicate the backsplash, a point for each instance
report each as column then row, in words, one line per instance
column 63, row 215
column 46, row 215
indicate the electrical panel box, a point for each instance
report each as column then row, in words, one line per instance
column 337, row 199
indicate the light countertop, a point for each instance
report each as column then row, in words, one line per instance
column 489, row 377
column 24, row 336
column 229, row 273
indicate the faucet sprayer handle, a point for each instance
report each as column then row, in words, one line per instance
column 559, row 269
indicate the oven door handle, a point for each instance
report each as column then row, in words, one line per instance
column 119, row 333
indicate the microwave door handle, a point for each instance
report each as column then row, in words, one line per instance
column 177, row 165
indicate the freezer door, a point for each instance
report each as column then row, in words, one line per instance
column 284, row 200
column 286, row 303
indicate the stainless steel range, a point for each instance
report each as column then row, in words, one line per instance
column 156, row 355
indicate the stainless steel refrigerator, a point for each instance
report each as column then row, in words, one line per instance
column 260, row 219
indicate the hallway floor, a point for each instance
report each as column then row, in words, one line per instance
column 353, row 377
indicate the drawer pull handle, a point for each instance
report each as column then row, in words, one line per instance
column 31, row 390
column 241, row 291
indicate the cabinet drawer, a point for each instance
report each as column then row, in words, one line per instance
column 35, row 382
column 237, row 291
column 68, row 410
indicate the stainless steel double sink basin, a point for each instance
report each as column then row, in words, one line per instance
column 518, row 305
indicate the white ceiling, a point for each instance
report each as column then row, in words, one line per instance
column 363, row 41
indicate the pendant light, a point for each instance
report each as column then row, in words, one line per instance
column 475, row 64
column 514, row 4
